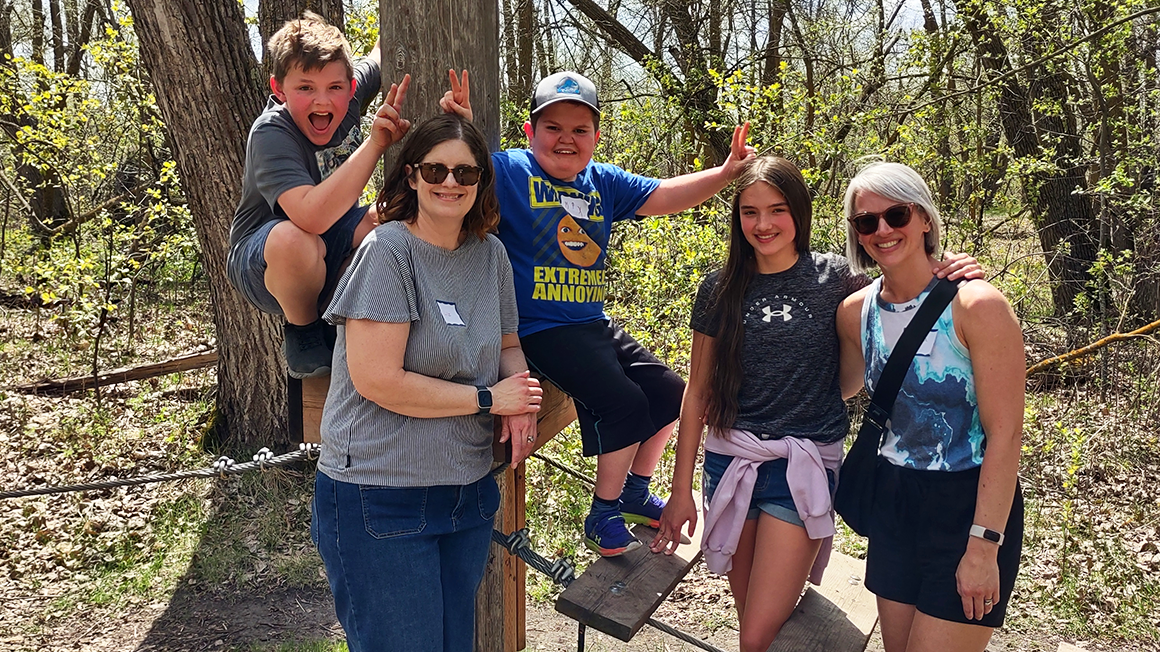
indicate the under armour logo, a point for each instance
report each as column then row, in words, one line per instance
column 783, row 313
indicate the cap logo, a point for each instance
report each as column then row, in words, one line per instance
column 568, row 86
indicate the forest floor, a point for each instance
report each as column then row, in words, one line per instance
column 226, row 564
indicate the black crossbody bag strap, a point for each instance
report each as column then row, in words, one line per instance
column 854, row 498
column 890, row 381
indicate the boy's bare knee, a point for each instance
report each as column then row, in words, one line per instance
column 290, row 244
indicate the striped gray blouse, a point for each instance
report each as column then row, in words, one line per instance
column 458, row 304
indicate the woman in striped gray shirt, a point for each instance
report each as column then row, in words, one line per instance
column 427, row 352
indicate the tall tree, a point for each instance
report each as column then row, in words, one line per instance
column 209, row 90
column 1038, row 123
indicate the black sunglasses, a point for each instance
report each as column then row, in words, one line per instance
column 435, row 173
column 896, row 217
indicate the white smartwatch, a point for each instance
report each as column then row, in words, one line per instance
column 990, row 535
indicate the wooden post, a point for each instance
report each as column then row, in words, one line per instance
column 504, row 629
column 306, row 399
column 425, row 39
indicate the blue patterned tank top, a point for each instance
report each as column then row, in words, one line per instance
column 935, row 423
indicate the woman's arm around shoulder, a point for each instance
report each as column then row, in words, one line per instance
column 852, row 366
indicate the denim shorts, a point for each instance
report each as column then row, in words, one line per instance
column 404, row 563
column 246, row 266
column 770, row 491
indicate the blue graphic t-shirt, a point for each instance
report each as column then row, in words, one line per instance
column 935, row 423
column 556, row 234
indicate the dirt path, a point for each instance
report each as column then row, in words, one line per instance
column 194, row 622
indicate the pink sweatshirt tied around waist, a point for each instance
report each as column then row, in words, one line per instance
column 808, row 484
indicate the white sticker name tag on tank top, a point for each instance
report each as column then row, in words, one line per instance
column 575, row 206
column 928, row 343
column 450, row 314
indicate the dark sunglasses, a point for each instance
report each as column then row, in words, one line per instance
column 896, row 217
column 435, row 173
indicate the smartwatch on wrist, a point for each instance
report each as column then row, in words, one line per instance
column 483, row 399
column 990, row 535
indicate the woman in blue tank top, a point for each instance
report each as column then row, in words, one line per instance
column 947, row 525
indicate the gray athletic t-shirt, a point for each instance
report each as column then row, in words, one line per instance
column 280, row 157
column 789, row 384
column 458, row 304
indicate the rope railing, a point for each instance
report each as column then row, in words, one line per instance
column 518, row 543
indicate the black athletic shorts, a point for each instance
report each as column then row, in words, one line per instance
column 623, row 394
column 919, row 532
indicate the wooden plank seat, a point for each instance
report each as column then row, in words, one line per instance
column 839, row 615
column 617, row 595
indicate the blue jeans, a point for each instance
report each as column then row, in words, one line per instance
column 404, row 563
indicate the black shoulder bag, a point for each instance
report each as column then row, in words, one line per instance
column 854, row 499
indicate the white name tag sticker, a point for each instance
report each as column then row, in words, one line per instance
column 575, row 206
column 927, row 344
column 450, row 314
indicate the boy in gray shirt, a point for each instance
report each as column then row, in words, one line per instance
column 306, row 167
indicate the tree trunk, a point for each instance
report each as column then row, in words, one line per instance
column 208, row 117
column 57, row 36
column 771, row 71
column 526, row 24
column 38, row 31
column 1064, row 218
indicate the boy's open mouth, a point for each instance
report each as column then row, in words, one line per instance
column 321, row 121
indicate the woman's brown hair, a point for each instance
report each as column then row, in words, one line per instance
column 399, row 201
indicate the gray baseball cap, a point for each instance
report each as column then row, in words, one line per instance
column 565, row 86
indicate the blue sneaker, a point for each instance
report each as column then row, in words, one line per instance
column 608, row 536
column 646, row 513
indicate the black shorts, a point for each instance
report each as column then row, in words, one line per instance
column 623, row 394
column 918, row 534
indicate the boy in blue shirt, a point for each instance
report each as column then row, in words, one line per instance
column 306, row 167
column 557, row 207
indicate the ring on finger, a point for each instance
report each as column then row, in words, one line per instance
column 988, row 601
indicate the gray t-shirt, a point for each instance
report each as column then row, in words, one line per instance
column 458, row 304
column 789, row 384
column 280, row 157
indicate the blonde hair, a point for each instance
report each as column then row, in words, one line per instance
column 897, row 182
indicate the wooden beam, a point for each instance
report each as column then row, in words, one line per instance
column 504, row 581
column 839, row 615
column 62, row 386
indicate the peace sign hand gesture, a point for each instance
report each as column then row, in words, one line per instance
column 389, row 126
column 739, row 152
column 458, row 99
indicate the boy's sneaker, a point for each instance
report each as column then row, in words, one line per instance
column 609, row 536
column 305, row 350
column 646, row 513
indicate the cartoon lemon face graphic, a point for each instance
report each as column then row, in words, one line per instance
column 576, row 246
